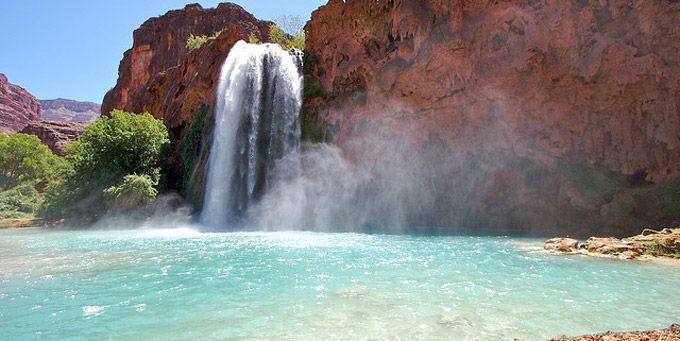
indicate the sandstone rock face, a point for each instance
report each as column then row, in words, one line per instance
column 56, row 134
column 17, row 106
column 159, row 75
column 67, row 110
column 571, row 87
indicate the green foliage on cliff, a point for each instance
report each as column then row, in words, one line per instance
column 312, row 88
column 661, row 201
column 191, row 146
column 253, row 39
column 109, row 150
column 288, row 32
column 194, row 42
column 287, row 42
column 591, row 183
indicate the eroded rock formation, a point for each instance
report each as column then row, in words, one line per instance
column 56, row 134
column 648, row 244
column 581, row 99
column 17, row 106
column 161, row 76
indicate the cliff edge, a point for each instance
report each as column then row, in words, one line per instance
column 17, row 107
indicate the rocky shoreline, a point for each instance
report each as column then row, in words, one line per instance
column 671, row 333
column 648, row 244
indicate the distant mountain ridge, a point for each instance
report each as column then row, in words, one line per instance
column 67, row 110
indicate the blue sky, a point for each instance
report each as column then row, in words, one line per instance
column 72, row 48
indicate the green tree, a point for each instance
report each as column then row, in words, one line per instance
column 109, row 149
column 24, row 158
column 288, row 31
column 287, row 42
column 134, row 191
column 291, row 24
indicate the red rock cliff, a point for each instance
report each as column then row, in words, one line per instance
column 67, row 110
column 590, row 82
column 17, row 106
column 158, row 74
column 56, row 134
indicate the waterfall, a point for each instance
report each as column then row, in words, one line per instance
column 257, row 107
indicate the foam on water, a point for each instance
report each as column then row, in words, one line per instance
column 298, row 285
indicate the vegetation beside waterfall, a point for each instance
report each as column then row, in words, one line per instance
column 114, row 165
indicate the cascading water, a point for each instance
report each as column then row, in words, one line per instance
column 257, row 107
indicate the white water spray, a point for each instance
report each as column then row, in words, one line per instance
column 257, row 107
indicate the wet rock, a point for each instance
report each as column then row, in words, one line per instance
column 561, row 245
column 647, row 232
column 611, row 246
column 298, row 56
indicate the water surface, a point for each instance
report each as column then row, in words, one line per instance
column 180, row 284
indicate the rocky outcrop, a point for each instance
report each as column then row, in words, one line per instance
column 17, row 106
column 566, row 108
column 671, row 333
column 561, row 245
column 649, row 243
column 67, row 110
column 161, row 76
column 56, row 134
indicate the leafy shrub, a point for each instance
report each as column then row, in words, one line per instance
column 20, row 201
column 253, row 39
column 134, row 191
column 194, row 42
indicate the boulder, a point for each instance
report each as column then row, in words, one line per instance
column 611, row 246
column 561, row 245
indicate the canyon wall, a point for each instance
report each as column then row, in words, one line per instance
column 17, row 107
column 530, row 116
column 56, row 134
column 161, row 76
column 574, row 105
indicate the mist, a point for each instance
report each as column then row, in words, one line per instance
column 404, row 186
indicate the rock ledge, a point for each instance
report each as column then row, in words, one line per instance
column 649, row 243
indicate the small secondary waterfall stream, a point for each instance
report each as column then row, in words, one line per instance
column 257, row 107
